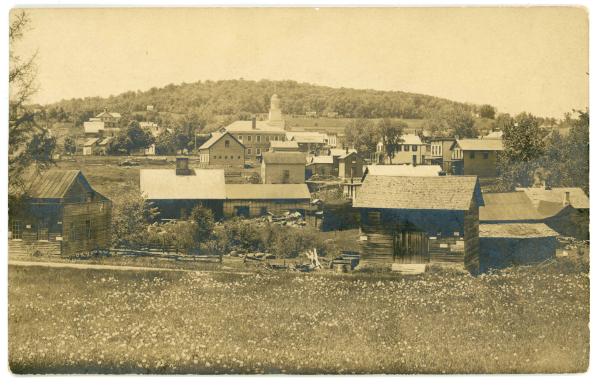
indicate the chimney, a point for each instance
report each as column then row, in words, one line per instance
column 106, row 110
column 346, row 149
column 567, row 198
column 182, row 166
column 254, row 122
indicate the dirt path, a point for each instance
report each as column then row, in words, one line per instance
column 92, row 266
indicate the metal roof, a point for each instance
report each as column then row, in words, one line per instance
column 53, row 184
column 577, row 197
column 437, row 193
column 284, row 158
column 164, row 184
column 480, row 144
column 267, row 191
column 404, row 170
column 512, row 206
column 515, row 230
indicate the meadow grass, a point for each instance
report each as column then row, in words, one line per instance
column 520, row 320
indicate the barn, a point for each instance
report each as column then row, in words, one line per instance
column 61, row 215
column 253, row 200
column 418, row 220
column 222, row 149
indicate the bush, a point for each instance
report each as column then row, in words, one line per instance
column 288, row 242
column 204, row 220
column 243, row 235
column 130, row 218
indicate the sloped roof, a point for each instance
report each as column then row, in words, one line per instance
column 306, row 136
column 164, row 184
column 577, row 197
column 114, row 115
column 90, row 142
column 480, row 144
column 515, row 230
column 215, row 137
column 511, row 206
column 53, row 184
column 404, row 170
column 438, row 193
column 340, row 152
column 106, row 141
column 93, row 126
column 266, row 191
column 411, row 139
column 284, row 158
column 246, row 127
column 321, row 159
column 284, row 144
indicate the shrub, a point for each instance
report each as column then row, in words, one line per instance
column 203, row 219
column 130, row 218
column 288, row 242
column 243, row 235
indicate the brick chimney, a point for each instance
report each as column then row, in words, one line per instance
column 566, row 198
column 182, row 166
column 254, row 122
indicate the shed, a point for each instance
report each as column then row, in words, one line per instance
column 507, row 244
column 350, row 165
column 283, row 167
column 420, row 219
column 321, row 165
column 508, row 207
column 89, row 146
column 252, row 200
column 61, row 215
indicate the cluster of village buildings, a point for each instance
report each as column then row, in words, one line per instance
column 427, row 206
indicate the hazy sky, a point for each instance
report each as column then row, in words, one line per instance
column 532, row 59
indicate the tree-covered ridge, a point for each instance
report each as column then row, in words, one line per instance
column 241, row 97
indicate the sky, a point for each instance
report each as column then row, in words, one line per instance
column 517, row 59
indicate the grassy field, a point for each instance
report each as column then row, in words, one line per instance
column 528, row 319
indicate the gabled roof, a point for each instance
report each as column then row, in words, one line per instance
column 266, row 191
column 215, row 137
column 104, row 113
column 480, row 144
column 106, row 141
column 350, row 154
column 164, row 184
column 91, row 141
column 404, row 170
column 511, row 206
column 321, row 159
column 93, row 126
column 284, row 145
column 515, row 231
column 436, row 193
column 284, row 158
column 340, row 152
column 577, row 197
column 411, row 139
column 53, row 184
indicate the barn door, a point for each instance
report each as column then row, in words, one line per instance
column 411, row 247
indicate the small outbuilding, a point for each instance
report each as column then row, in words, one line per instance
column 320, row 165
column 283, row 167
column 253, row 200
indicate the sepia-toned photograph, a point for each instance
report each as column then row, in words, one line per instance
column 273, row 190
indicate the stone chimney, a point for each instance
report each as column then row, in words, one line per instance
column 254, row 122
column 567, row 198
column 182, row 166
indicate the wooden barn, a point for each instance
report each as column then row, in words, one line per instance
column 507, row 244
column 418, row 220
column 222, row 149
column 176, row 191
column 253, row 200
column 283, row 167
column 61, row 215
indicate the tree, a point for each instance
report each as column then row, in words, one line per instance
column 391, row 136
column 131, row 216
column 204, row 220
column 524, row 149
column 70, row 146
column 462, row 124
column 133, row 138
column 30, row 147
column 577, row 152
column 362, row 135
column 487, row 111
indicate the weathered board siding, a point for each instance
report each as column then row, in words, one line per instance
column 257, row 208
column 180, row 209
column 502, row 252
column 471, row 234
column 86, row 227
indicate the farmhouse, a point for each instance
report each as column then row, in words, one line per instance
column 410, row 150
column 176, row 192
column 253, row 200
column 61, row 215
column 255, row 135
column 477, row 157
column 566, row 210
column 417, row 220
column 283, row 168
column 105, row 124
column 222, row 149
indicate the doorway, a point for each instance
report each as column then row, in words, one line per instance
column 411, row 247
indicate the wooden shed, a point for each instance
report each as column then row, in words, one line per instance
column 283, row 167
column 349, row 165
column 61, row 215
column 507, row 244
column 253, row 200
column 417, row 220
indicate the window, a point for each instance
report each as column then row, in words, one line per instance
column 239, row 157
column 89, row 196
column 88, row 229
column 472, row 155
column 249, row 151
column 214, row 157
column 42, row 230
column 219, row 157
column 241, row 138
column 249, row 138
column 226, row 143
column 258, row 138
column 258, row 151
column 17, row 230
column 72, row 232
column 414, row 147
column 406, row 147
column 486, row 155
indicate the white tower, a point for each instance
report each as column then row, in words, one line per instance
column 275, row 117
